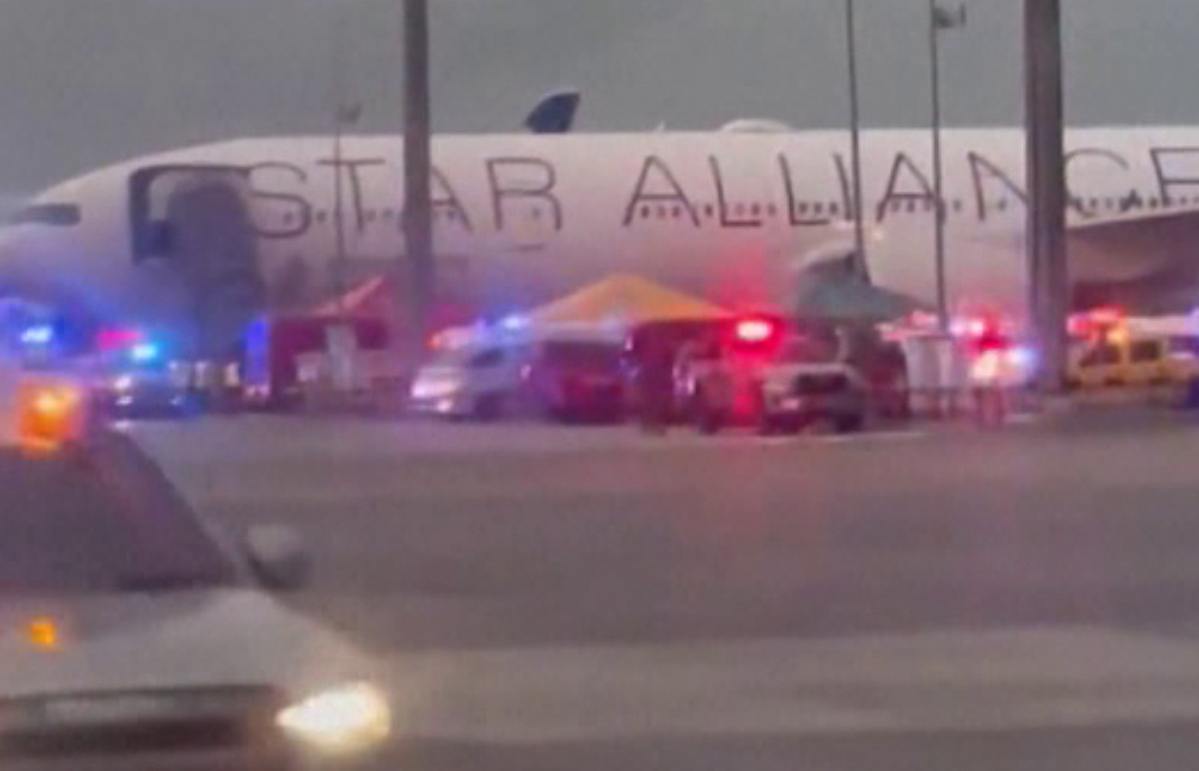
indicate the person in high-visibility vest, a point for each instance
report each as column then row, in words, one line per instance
column 990, row 374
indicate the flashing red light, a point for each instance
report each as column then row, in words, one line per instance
column 755, row 331
column 1107, row 316
column 116, row 338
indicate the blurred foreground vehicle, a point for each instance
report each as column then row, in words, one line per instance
column 133, row 635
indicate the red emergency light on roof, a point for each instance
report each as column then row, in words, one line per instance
column 116, row 338
column 1107, row 316
column 755, row 330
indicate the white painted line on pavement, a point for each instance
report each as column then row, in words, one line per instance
column 938, row 681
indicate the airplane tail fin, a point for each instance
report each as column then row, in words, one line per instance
column 555, row 113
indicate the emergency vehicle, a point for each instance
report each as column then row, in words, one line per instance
column 133, row 631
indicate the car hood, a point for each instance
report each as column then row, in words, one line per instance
column 229, row 637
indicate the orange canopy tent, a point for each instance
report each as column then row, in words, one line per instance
column 627, row 301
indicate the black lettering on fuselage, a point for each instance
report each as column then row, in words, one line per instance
column 643, row 195
column 1073, row 199
column 352, row 167
column 1166, row 182
column 793, row 216
column 504, row 189
column 726, row 220
column 894, row 193
column 445, row 198
column 981, row 170
column 293, row 204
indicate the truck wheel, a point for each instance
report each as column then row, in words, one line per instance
column 849, row 424
column 707, row 418
column 490, row 408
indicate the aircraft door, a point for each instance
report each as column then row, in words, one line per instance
column 195, row 226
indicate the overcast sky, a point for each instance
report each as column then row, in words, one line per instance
column 85, row 82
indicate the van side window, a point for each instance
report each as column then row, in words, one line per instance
column 1184, row 345
column 492, row 357
column 1144, row 351
column 1101, row 355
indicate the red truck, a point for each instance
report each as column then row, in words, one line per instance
column 275, row 344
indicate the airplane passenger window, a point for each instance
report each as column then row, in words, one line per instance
column 755, row 209
column 709, row 210
column 58, row 214
column 833, row 208
column 645, row 212
column 818, row 208
column 771, row 210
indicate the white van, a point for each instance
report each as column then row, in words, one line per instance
column 477, row 380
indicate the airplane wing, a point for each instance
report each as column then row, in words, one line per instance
column 1140, row 257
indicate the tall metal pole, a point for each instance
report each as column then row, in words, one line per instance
column 1049, row 286
column 934, row 34
column 339, row 98
column 418, row 226
column 855, row 129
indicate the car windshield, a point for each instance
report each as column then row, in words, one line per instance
column 95, row 523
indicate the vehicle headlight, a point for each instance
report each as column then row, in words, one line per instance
column 342, row 720
column 435, row 389
column 776, row 387
column 122, row 383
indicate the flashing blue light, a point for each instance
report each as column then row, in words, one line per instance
column 1024, row 358
column 513, row 323
column 143, row 353
column 42, row 334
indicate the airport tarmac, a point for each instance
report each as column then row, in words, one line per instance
column 925, row 597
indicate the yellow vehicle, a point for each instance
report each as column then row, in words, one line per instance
column 1130, row 358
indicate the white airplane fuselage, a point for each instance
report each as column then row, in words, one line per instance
column 733, row 216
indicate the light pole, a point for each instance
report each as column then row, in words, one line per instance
column 344, row 114
column 1049, row 280
column 855, row 132
column 939, row 19
column 418, row 219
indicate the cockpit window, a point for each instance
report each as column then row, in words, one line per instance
column 58, row 214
